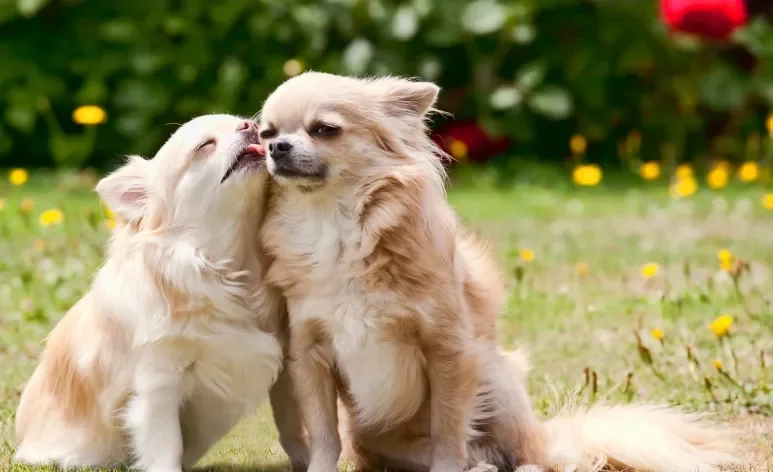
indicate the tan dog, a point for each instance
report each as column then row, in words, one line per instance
column 393, row 307
column 177, row 337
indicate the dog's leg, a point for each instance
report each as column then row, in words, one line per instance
column 205, row 419
column 516, row 427
column 153, row 417
column 287, row 416
column 454, row 376
column 310, row 365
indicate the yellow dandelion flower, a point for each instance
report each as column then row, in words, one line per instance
column 51, row 217
column 89, row 115
column 18, row 177
column 717, row 364
column 721, row 326
column 40, row 244
column 649, row 270
column 527, row 255
column 582, row 268
column 767, row 201
column 769, row 123
column 27, row 205
column 749, row 172
column 292, row 67
column 650, row 170
column 578, row 144
column 684, row 187
column 718, row 178
column 657, row 333
column 109, row 213
column 587, row 175
column 725, row 259
column 458, row 149
column 684, row 171
column 110, row 223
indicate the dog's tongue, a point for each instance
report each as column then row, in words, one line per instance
column 256, row 149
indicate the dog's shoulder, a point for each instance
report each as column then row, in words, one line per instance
column 407, row 237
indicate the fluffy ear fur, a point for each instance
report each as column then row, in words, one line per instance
column 125, row 190
column 406, row 97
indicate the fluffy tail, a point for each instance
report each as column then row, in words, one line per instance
column 637, row 438
column 647, row 438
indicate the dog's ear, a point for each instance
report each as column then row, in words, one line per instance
column 406, row 97
column 125, row 190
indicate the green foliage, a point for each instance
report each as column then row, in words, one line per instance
column 538, row 70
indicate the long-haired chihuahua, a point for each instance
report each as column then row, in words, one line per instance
column 177, row 337
column 392, row 304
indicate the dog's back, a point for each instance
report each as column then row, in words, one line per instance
column 484, row 289
column 65, row 413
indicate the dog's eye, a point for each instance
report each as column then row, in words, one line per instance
column 268, row 134
column 324, row 130
column 209, row 142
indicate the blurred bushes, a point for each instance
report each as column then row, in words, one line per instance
column 536, row 70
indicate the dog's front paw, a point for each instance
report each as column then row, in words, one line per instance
column 531, row 468
column 325, row 464
column 299, row 466
column 448, row 465
column 298, row 452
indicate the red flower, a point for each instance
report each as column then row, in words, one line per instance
column 467, row 141
column 715, row 19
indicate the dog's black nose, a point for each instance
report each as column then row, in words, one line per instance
column 279, row 149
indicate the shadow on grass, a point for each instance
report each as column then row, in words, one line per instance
column 272, row 467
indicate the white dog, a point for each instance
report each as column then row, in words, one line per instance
column 177, row 338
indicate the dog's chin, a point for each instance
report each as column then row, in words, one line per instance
column 248, row 162
column 304, row 179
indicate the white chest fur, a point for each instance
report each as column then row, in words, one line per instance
column 232, row 362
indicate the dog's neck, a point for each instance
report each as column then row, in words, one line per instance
column 199, row 260
column 365, row 208
column 226, row 228
column 227, row 234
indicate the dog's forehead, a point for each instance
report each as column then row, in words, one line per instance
column 208, row 124
column 191, row 133
column 287, row 107
column 308, row 95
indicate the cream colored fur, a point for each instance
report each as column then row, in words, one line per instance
column 393, row 306
column 177, row 337
column 625, row 436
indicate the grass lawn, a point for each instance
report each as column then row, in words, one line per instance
column 576, row 259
